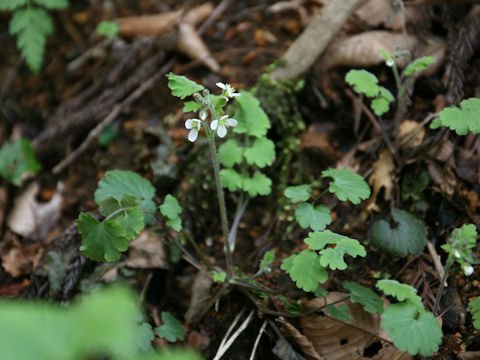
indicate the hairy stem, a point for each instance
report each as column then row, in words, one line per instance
column 438, row 297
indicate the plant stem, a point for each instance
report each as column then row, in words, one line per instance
column 448, row 265
column 221, row 200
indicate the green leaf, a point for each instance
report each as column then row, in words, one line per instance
column 305, row 270
column 257, row 185
column 132, row 221
column 53, row 4
column 347, row 185
column 381, row 104
column 474, row 308
column 230, row 153
column 12, row 4
column 360, row 294
column 321, row 292
column 333, row 257
column 460, row 120
column 104, row 322
column 118, row 183
column 16, row 160
column 363, row 82
column 261, row 153
column 170, row 207
column 267, row 261
column 219, row 277
column 419, row 65
column 55, row 266
column 107, row 28
column 402, row 292
column 191, row 106
column 406, row 235
column 386, row 55
column 412, row 329
column 316, row 218
column 175, row 224
column 109, row 205
column 231, row 179
column 299, row 193
column 171, row 329
column 340, row 312
column 31, row 25
column 318, row 240
column 251, row 118
column 466, row 236
column 108, row 135
column 101, row 241
column 181, row 86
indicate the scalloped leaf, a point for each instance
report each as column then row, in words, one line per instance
column 412, row 328
column 363, row 82
column 319, row 239
column 347, row 185
column 401, row 292
column 460, row 120
column 261, row 153
column 419, row 65
column 334, row 257
column 474, row 308
column 251, row 118
column 101, row 241
column 370, row 301
column 316, row 218
column 231, row 179
column 381, row 104
column 340, row 312
column 298, row 193
column 406, row 235
column 171, row 210
column 260, row 184
column 305, row 270
column 230, row 153
column 191, row 106
column 171, row 329
column 181, row 86
column 465, row 236
column 120, row 183
column 12, row 4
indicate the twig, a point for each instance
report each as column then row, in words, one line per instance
column 110, row 117
column 144, row 288
column 214, row 16
column 365, row 109
column 241, row 206
column 257, row 340
column 9, row 79
column 224, row 347
column 417, row 129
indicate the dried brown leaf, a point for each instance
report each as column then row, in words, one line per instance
column 375, row 12
column 305, row 344
column 33, row 219
column 382, row 176
column 200, row 295
column 411, row 129
column 21, row 260
column 147, row 25
column 146, row 252
column 445, row 178
column 362, row 50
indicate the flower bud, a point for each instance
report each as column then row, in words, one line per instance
column 467, row 269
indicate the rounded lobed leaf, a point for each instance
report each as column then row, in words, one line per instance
column 316, row 218
column 347, row 185
column 182, row 86
column 230, row 153
column 360, row 294
column 305, row 270
column 261, row 153
column 298, row 193
column 402, row 292
column 231, row 179
column 260, row 184
column 363, row 82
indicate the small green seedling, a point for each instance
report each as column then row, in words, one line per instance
column 31, row 23
column 17, row 160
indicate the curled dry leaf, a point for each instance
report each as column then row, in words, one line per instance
column 146, row 252
column 192, row 45
column 411, row 129
column 284, row 351
column 33, row 219
column 21, row 260
column 443, row 177
column 305, row 344
column 375, row 12
column 390, row 352
column 443, row 150
column 362, row 50
column 199, row 297
column 335, row 340
column 381, row 177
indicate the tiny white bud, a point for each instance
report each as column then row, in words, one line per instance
column 457, row 254
column 390, row 62
column 467, row 269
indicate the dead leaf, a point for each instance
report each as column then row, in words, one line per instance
column 335, row 340
column 382, row 176
column 316, row 140
column 305, row 344
column 375, row 12
column 192, row 45
column 390, row 352
column 445, row 178
column 442, row 151
column 20, row 260
column 147, row 252
column 200, row 295
column 284, row 351
column 361, row 50
column 198, row 340
column 411, row 128
column 469, row 355
column 149, row 24
column 32, row 219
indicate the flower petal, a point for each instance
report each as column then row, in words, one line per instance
column 222, row 131
column 192, row 135
column 220, row 85
column 214, row 125
column 232, row 122
column 189, row 123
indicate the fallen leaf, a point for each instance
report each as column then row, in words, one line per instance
column 375, row 12
column 305, row 344
column 20, row 260
column 200, row 295
column 198, row 340
column 148, row 24
column 284, row 351
column 443, row 177
column 32, row 219
column 408, row 127
column 382, row 176
column 146, row 252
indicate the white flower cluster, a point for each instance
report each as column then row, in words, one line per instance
column 221, row 124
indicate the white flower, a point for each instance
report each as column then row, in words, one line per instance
column 194, row 126
column 457, row 254
column 228, row 91
column 222, row 124
column 467, row 269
